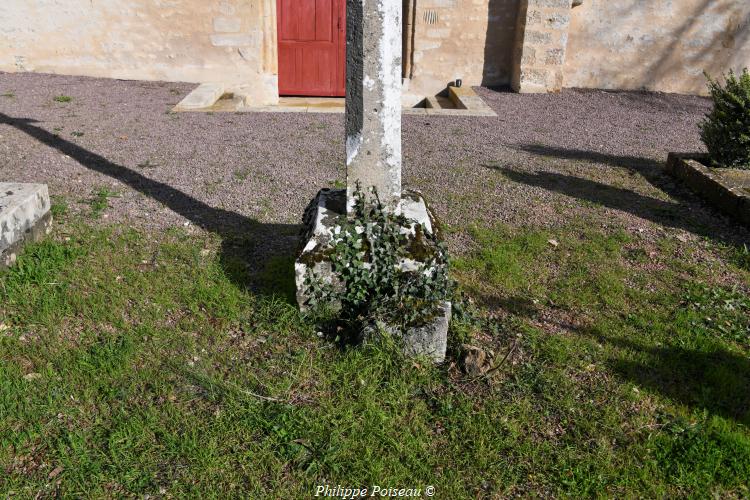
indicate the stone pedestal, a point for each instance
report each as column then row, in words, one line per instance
column 324, row 218
column 24, row 217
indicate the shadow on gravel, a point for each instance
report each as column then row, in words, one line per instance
column 644, row 166
column 255, row 255
column 670, row 214
column 715, row 380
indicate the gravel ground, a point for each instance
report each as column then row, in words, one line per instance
column 545, row 160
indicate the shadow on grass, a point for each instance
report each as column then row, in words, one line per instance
column 714, row 379
column 254, row 255
column 644, row 166
column 666, row 213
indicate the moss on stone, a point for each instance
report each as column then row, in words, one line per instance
column 318, row 254
column 420, row 247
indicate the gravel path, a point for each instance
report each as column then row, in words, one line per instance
column 546, row 159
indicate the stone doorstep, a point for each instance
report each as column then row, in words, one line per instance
column 728, row 196
column 483, row 110
column 447, row 112
column 464, row 98
column 203, row 96
column 432, row 102
column 320, row 220
column 24, row 217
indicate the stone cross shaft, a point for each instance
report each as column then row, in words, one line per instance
column 373, row 98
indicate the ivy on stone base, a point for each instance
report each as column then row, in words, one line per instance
column 388, row 270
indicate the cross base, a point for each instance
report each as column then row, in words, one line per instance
column 323, row 216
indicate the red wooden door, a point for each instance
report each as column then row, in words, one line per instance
column 312, row 47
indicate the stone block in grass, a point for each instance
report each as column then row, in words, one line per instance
column 24, row 217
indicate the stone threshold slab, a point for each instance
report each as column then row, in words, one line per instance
column 465, row 100
column 726, row 189
column 404, row 111
column 24, row 217
column 203, row 96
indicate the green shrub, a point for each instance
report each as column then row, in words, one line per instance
column 726, row 130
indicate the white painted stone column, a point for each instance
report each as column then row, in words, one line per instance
column 373, row 98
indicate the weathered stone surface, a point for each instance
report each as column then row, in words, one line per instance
column 323, row 219
column 448, row 39
column 175, row 41
column 237, row 39
column 647, row 45
column 373, row 98
column 24, row 216
column 431, row 339
column 227, row 24
column 726, row 192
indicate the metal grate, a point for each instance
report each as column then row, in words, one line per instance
column 430, row 17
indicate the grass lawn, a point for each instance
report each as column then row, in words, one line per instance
column 136, row 363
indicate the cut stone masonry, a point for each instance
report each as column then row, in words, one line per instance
column 541, row 42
